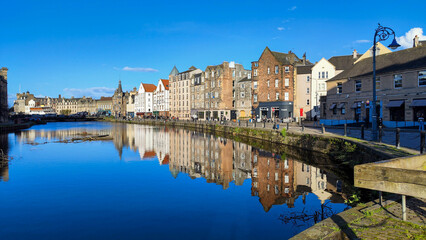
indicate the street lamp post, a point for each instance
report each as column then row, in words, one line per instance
column 381, row 34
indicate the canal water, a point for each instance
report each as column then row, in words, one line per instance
column 155, row 183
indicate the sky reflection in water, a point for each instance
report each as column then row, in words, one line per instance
column 154, row 183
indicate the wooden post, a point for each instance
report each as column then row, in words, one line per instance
column 322, row 128
column 397, row 143
column 381, row 198
column 422, row 142
column 303, row 127
column 362, row 131
column 288, row 126
column 247, row 123
column 346, row 130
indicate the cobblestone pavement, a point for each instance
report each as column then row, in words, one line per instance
column 386, row 223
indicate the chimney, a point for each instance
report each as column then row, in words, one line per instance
column 304, row 59
column 59, row 96
column 416, row 41
column 355, row 54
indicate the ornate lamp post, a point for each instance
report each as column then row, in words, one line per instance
column 381, row 34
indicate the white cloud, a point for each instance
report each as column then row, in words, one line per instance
column 292, row 8
column 407, row 40
column 280, row 28
column 362, row 41
column 94, row 92
column 139, row 69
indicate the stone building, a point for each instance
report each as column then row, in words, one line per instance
column 197, row 96
column 119, row 101
column 104, row 104
column 303, row 102
column 273, row 79
column 180, row 97
column 4, row 108
column 220, row 82
column 401, row 90
column 162, row 98
column 130, row 104
column 242, row 96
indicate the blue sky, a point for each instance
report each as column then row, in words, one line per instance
column 84, row 47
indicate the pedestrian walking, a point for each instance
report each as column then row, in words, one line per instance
column 421, row 123
column 316, row 120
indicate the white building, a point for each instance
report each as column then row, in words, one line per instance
column 161, row 98
column 144, row 99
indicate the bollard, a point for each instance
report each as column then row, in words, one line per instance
column 264, row 124
column 288, row 126
column 380, row 198
column 255, row 124
column 346, row 130
column 380, row 134
column 322, row 128
column 422, row 142
column 303, row 127
column 397, row 143
column 246, row 123
column 404, row 208
column 362, row 131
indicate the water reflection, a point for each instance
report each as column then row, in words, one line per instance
column 275, row 179
column 4, row 163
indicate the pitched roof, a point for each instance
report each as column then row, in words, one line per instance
column 411, row 58
column 174, row 71
column 105, row 99
column 343, row 62
column 245, row 79
column 286, row 58
column 165, row 83
column 149, row 154
column 149, row 87
column 304, row 69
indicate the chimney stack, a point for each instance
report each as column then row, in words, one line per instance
column 416, row 41
column 355, row 54
column 304, row 59
column 3, row 73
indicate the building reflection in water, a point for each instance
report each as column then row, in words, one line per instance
column 276, row 179
column 4, row 163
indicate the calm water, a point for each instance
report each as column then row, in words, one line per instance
column 155, row 183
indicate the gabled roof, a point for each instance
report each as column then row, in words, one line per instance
column 165, row 83
column 149, row 87
column 343, row 62
column 149, row 154
column 286, row 58
column 304, row 69
column 105, row 99
column 411, row 58
column 174, row 71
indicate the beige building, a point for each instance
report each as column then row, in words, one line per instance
column 180, row 97
column 401, row 90
column 242, row 95
column 302, row 103
column 104, row 104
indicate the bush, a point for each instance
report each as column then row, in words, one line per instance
column 284, row 132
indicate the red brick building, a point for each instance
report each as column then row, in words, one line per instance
column 273, row 78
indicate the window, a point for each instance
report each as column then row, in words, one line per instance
column 242, row 94
column 249, row 76
column 307, row 90
column 269, row 70
column 276, row 69
column 307, row 78
column 277, row 96
column 286, row 82
column 286, row 96
column 254, row 97
column 397, row 79
column 326, row 74
column 255, row 72
column 268, row 96
column 357, row 85
column 378, row 83
column 339, row 88
column 323, row 74
column 267, row 82
column 307, row 101
column 276, row 83
column 319, row 75
column 233, row 73
column 343, row 110
column 422, row 78
column 255, row 85
column 242, row 85
column 287, row 69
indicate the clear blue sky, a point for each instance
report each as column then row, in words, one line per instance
column 80, row 48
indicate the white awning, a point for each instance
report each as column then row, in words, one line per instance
column 341, row 105
column 395, row 104
column 332, row 106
